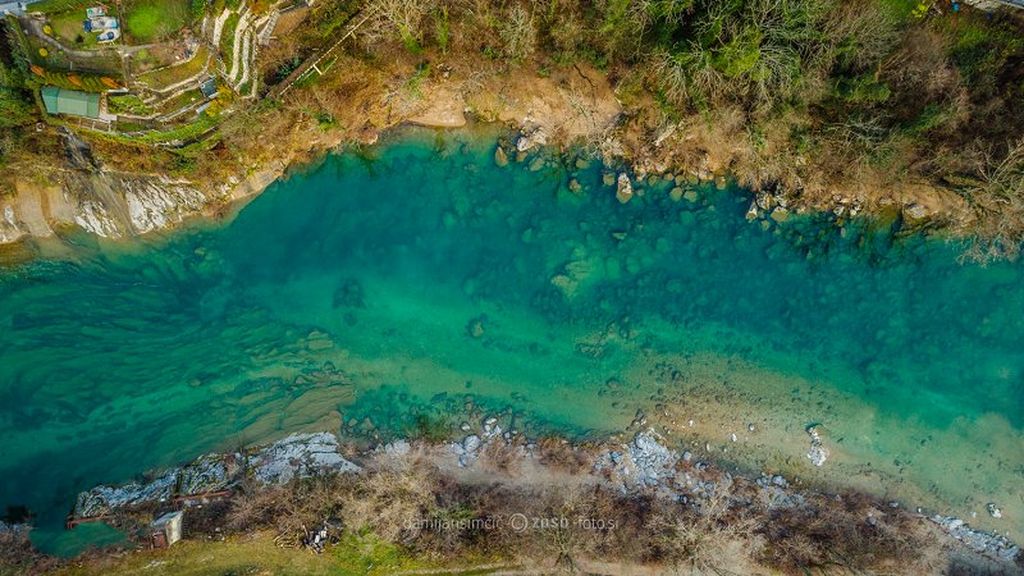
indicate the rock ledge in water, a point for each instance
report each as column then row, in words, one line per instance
column 298, row 455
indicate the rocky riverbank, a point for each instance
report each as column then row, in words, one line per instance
column 103, row 196
column 514, row 489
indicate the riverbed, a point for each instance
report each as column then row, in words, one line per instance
column 395, row 289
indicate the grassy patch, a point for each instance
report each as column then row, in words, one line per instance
column 184, row 133
column 67, row 28
column 158, row 79
column 366, row 555
column 56, row 6
column 150, row 20
column 363, row 555
column 227, row 39
column 902, row 10
column 253, row 555
column 181, row 100
column 128, row 104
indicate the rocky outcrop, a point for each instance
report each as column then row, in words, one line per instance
column 102, row 500
column 9, row 229
column 297, row 456
column 642, row 462
column 116, row 205
column 652, row 461
column 532, row 137
column 817, row 453
column 154, row 204
column 300, row 455
column 109, row 204
column 991, row 545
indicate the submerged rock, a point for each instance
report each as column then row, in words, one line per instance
column 752, row 211
column 624, row 188
column 500, row 157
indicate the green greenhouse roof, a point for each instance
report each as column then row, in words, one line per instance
column 73, row 102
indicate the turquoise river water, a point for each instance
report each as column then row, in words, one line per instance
column 373, row 288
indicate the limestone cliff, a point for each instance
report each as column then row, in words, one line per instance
column 107, row 203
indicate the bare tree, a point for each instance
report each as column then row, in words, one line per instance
column 998, row 203
column 396, row 18
column 518, row 33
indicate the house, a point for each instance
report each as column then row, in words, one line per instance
column 71, row 102
column 100, row 23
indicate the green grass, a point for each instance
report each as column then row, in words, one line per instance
column 227, row 39
column 128, row 104
column 362, row 555
column 181, row 100
column 151, row 20
column 902, row 10
column 67, row 28
column 56, row 6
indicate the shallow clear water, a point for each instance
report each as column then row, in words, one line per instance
column 407, row 281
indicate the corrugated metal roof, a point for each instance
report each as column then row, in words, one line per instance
column 73, row 102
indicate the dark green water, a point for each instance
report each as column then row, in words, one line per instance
column 355, row 288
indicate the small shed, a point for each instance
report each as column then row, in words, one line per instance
column 209, row 87
column 166, row 530
column 71, row 102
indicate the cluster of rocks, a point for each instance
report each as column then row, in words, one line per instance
column 817, row 453
column 15, row 530
column 298, row 455
column 469, row 448
column 646, row 463
column 768, row 204
column 991, row 545
column 530, row 137
column 652, row 460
